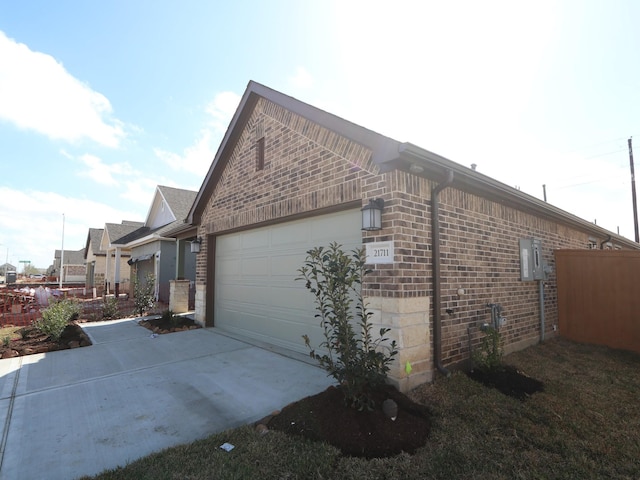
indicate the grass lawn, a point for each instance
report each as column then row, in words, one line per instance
column 9, row 332
column 585, row 425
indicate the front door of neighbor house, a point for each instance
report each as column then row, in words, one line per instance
column 256, row 292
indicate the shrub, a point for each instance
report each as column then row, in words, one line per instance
column 488, row 357
column 110, row 308
column 144, row 296
column 357, row 361
column 56, row 317
column 171, row 318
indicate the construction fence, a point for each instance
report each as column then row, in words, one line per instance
column 21, row 307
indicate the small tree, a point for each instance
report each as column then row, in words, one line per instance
column 357, row 361
column 144, row 296
column 56, row 317
column 488, row 357
column 110, row 308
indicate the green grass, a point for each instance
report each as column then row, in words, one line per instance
column 585, row 425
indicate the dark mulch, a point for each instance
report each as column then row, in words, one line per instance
column 165, row 324
column 33, row 341
column 509, row 381
column 325, row 417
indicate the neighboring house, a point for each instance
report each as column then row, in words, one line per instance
column 74, row 270
column 7, row 267
column 95, row 259
column 117, row 271
column 153, row 251
column 288, row 176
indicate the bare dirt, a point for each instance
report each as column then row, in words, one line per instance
column 509, row 381
column 32, row 341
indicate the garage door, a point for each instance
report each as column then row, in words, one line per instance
column 256, row 294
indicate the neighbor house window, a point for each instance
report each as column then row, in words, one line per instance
column 260, row 154
column 592, row 244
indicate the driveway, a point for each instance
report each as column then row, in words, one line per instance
column 77, row 412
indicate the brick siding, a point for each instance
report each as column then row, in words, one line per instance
column 309, row 169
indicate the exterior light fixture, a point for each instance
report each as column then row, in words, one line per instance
column 372, row 215
column 195, row 245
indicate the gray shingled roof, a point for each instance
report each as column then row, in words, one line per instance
column 71, row 257
column 179, row 200
column 117, row 231
column 95, row 238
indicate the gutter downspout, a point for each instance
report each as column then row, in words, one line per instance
column 437, row 294
column 541, row 300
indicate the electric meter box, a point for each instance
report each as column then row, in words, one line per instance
column 531, row 264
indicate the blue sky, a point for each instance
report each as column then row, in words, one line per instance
column 101, row 102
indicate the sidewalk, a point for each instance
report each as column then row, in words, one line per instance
column 78, row 412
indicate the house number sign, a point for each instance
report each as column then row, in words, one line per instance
column 379, row 252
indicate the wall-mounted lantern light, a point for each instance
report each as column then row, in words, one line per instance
column 195, row 245
column 372, row 215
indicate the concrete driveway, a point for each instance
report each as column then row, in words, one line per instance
column 77, row 412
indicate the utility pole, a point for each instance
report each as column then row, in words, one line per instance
column 62, row 254
column 633, row 192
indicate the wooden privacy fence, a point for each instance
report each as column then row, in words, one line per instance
column 599, row 297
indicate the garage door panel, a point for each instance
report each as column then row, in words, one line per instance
column 255, row 266
column 249, row 294
column 230, row 244
column 255, row 240
column 228, row 268
column 287, row 265
column 324, row 228
column 256, row 294
column 288, row 235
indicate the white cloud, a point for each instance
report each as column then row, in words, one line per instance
column 37, row 93
column 140, row 191
column 104, row 173
column 31, row 224
column 197, row 158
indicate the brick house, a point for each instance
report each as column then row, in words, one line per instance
column 75, row 270
column 288, row 176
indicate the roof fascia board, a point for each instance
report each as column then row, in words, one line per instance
column 466, row 179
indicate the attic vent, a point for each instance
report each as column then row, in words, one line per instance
column 260, row 154
column 259, row 129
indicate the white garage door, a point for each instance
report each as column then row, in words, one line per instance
column 256, row 294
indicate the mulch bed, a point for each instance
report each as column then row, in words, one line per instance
column 509, row 381
column 325, row 417
column 33, row 341
column 166, row 325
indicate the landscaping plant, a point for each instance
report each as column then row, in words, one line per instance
column 56, row 317
column 488, row 357
column 357, row 361
column 110, row 308
column 171, row 318
column 144, row 295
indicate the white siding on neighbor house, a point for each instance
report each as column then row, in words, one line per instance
column 256, row 294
